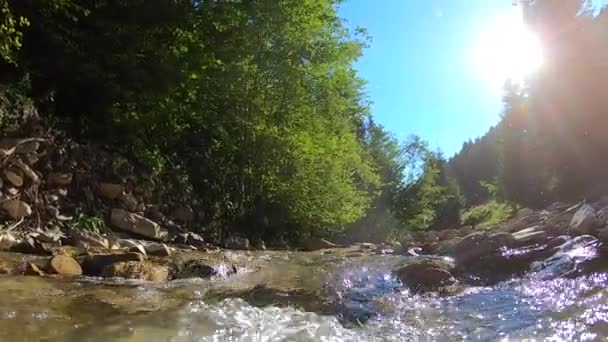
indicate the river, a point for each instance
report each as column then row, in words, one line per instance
column 301, row 296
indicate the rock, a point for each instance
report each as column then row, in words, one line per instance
column 155, row 213
column 193, row 268
column 603, row 235
column 129, row 202
column 583, row 220
column 7, row 240
column 13, row 178
column 52, row 236
column 465, row 230
column 316, row 244
column 32, row 246
column 88, row 239
column 70, row 251
column 136, row 270
column 196, row 240
column 93, row 265
column 157, row 249
column 524, row 212
column 573, row 258
column 431, row 236
column 63, row 265
column 32, row 270
column 601, row 219
column 31, row 174
column 137, row 224
column 530, row 236
column 110, row 191
column 427, row 275
column 183, row 214
column 447, row 234
column 21, row 145
column 237, row 243
column 16, row 209
column 132, row 245
column 445, row 246
column 60, row 179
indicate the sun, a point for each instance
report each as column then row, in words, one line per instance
column 508, row 50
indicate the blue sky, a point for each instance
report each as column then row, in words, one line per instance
column 422, row 78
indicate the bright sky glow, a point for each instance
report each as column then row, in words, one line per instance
column 508, row 50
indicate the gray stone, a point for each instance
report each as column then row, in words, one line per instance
column 16, row 209
column 583, row 220
column 137, row 224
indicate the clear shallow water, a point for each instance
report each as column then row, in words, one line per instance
column 303, row 297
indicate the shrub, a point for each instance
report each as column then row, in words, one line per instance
column 488, row 214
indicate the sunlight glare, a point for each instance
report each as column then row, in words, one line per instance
column 508, row 50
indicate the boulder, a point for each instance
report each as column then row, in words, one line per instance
column 59, row 179
column 427, row 275
column 447, row 234
column 110, row 191
column 63, row 265
column 32, row 270
column 13, row 177
column 16, row 209
column 136, row 270
column 183, row 214
column 137, row 224
column 93, row 265
column 583, row 220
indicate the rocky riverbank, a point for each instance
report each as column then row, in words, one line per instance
column 81, row 210
column 562, row 240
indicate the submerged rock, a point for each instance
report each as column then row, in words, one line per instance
column 94, row 264
column 193, row 268
column 136, row 270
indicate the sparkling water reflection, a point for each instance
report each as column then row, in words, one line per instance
column 358, row 300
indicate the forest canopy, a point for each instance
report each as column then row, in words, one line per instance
column 254, row 110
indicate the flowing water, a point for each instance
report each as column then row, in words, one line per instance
column 290, row 296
